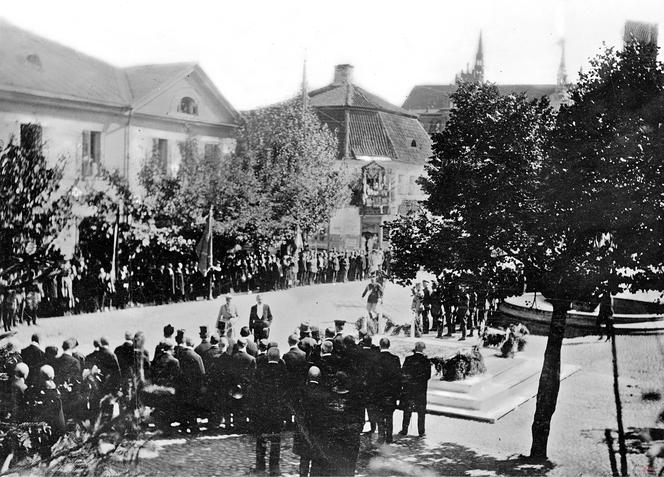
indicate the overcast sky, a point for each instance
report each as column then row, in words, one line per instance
column 253, row 50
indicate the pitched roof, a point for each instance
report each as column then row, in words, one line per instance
column 147, row 79
column 33, row 64
column 437, row 96
column 380, row 134
column 348, row 94
column 368, row 135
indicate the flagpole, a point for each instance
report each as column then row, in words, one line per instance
column 210, row 261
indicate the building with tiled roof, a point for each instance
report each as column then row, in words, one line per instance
column 97, row 115
column 432, row 103
column 384, row 144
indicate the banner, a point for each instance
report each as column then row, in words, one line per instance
column 204, row 248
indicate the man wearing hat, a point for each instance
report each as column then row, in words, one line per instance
column 204, row 345
column 415, row 375
column 179, row 344
column 243, row 368
column 125, row 355
column 168, row 338
column 227, row 317
column 338, row 339
column 218, row 373
column 189, row 391
column 260, row 319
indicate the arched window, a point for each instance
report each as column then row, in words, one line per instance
column 188, row 106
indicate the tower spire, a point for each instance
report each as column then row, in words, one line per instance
column 478, row 70
column 305, row 88
column 561, row 79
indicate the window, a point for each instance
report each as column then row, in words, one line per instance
column 412, row 187
column 91, row 153
column 212, row 152
column 31, row 136
column 413, row 143
column 402, row 184
column 160, row 153
column 188, row 106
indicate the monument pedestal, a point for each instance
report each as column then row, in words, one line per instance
column 508, row 383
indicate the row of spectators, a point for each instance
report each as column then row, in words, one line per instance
column 82, row 287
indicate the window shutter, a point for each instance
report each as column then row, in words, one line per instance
column 85, row 145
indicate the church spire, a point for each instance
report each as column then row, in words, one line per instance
column 478, row 70
column 561, row 79
column 305, row 88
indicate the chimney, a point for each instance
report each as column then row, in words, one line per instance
column 343, row 74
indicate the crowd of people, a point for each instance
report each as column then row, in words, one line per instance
column 83, row 285
column 441, row 306
column 322, row 388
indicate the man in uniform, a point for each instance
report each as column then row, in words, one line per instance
column 375, row 292
column 415, row 375
column 227, row 317
column 462, row 304
column 426, row 306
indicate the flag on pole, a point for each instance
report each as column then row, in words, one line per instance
column 114, row 267
column 204, row 248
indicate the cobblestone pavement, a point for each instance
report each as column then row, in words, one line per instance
column 452, row 446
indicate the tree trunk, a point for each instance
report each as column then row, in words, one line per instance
column 549, row 384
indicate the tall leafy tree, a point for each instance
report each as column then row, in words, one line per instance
column 601, row 225
column 33, row 210
column 178, row 203
column 293, row 156
column 481, row 183
column 579, row 204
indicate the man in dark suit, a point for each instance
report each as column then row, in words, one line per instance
column 384, row 385
column 168, row 338
column 243, row 368
column 252, row 347
column 262, row 352
column 68, row 367
column 166, row 372
column 107, row 362
column 204, row 344
column 190, row 385
column 296, row 363
column 217, row 364
column 415, row 375
column 367, row 357
column 269, row 409
column 125, row 355
column 34, row 357
column 260, row 319
column 77, row 354
column 68, row 377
